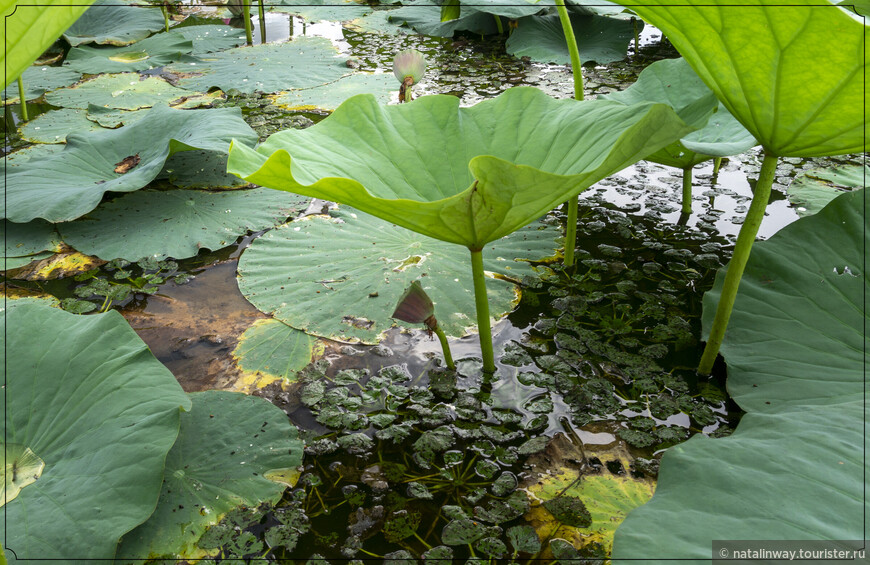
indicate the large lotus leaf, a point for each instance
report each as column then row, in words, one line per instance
column 330, row 96
column 513, row 9
column 31, row 29
column 71, row 183
column 200, row 169
column 600, row 39
column 54, row 125
column 111, row 22
column 463, row 175
column 210, row 38
column 673, row 82
column 812, row 190
column 341, row 278
column 794, row 467
column 122, row 91
column 302, row 63
column 27, row 239
column 111, row 118
column 177, row 223
column 599, row 7
column 39, row 80
column 793, row 75
column 424, row 16
column 156, row 51
column 88, row 398
column 227, row 446
column 271, row 350
column 316, row 10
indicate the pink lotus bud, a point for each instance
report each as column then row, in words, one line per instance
column 409, row 63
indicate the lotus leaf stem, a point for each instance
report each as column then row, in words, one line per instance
column 687, row 190
column 577, row 72
column 262, row 23
column 482, row 304
column 717, row 163
column 636, row 37
column 735, row 267
column 246, row 14
column 165, row 11
column 448, row 358
column 498, row 24
column 23, row 98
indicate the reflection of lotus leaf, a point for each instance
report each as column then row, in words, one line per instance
column 227, row 446
column 812, row 190
column 600, row 39
column 112, row 22
column 88, row 398
column 156, row 51
column 361, row 265
column 39, row 80
column 122, row 91
column 795, row 352
column 502, row 163
column 177, row 223
column 802, row 96
column 71, row 183
column 302, row 63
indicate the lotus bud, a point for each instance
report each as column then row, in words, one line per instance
column 236, row 7
column 415, row 307
column 408, row 67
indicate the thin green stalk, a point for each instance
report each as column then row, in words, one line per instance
column 636, row 37
column 482, row 304
column 262, row 23
column 745, row 238
column 498, row 24
column 22, row 96
column 165, row 16
column 717, row 162
column 448, row 358
column 577, row 71
column 246, row 14
column 687, row 190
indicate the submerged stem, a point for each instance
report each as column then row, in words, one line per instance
column 482, row 304
column 246, row 14
column 687, row 190
column 448, row 358
column 735, row 267
column 23, row 98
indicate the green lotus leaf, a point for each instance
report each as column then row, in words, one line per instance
column 673, row 82
column 812, row 190
column 177, row 223
column 361, row 265
column 30, row 238
column 199, row 169
column 54, row 125
column 796, row 365
column 156, row 51
column 22, row 156
column 600, row 39
column 305, row 62
column 598, row 7
column 513, row 9
column 122, row 91
column 227, row 445
column 86, row 397
column 71, row 183
column 317, row 10
column 378, row 158
column 424, row 16
column 273, row 350
column 330, row 96
column 39, row 80
column 111, row 118
column 800, row 88
column 31, row 29
column 112, row 22
column 210, row 38
column 375, row 22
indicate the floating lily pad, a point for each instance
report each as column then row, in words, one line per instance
column 600, row 39
column 177, row 223
column 199, row 169
column 514, row 9
column 114, row 23
column 330, row 96
column 317, row 10
column 110, row 118
column 795, row 351
column 273, row 350
column 156, row 51
column 55, row 125
column 10, row 263
column 39, row 80
column 101, row 412
column 502, row 163
column 375, row 22
column 123, row 91
column 50, row 265
column 22, row 156
column 27, row 239
column 813, row 190
column 424, row 16
column 210, row 38
column 226, row 444
column 361, row 265
column 71, row 183
column 303, row 63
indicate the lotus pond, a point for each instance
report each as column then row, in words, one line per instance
column 242, row 322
